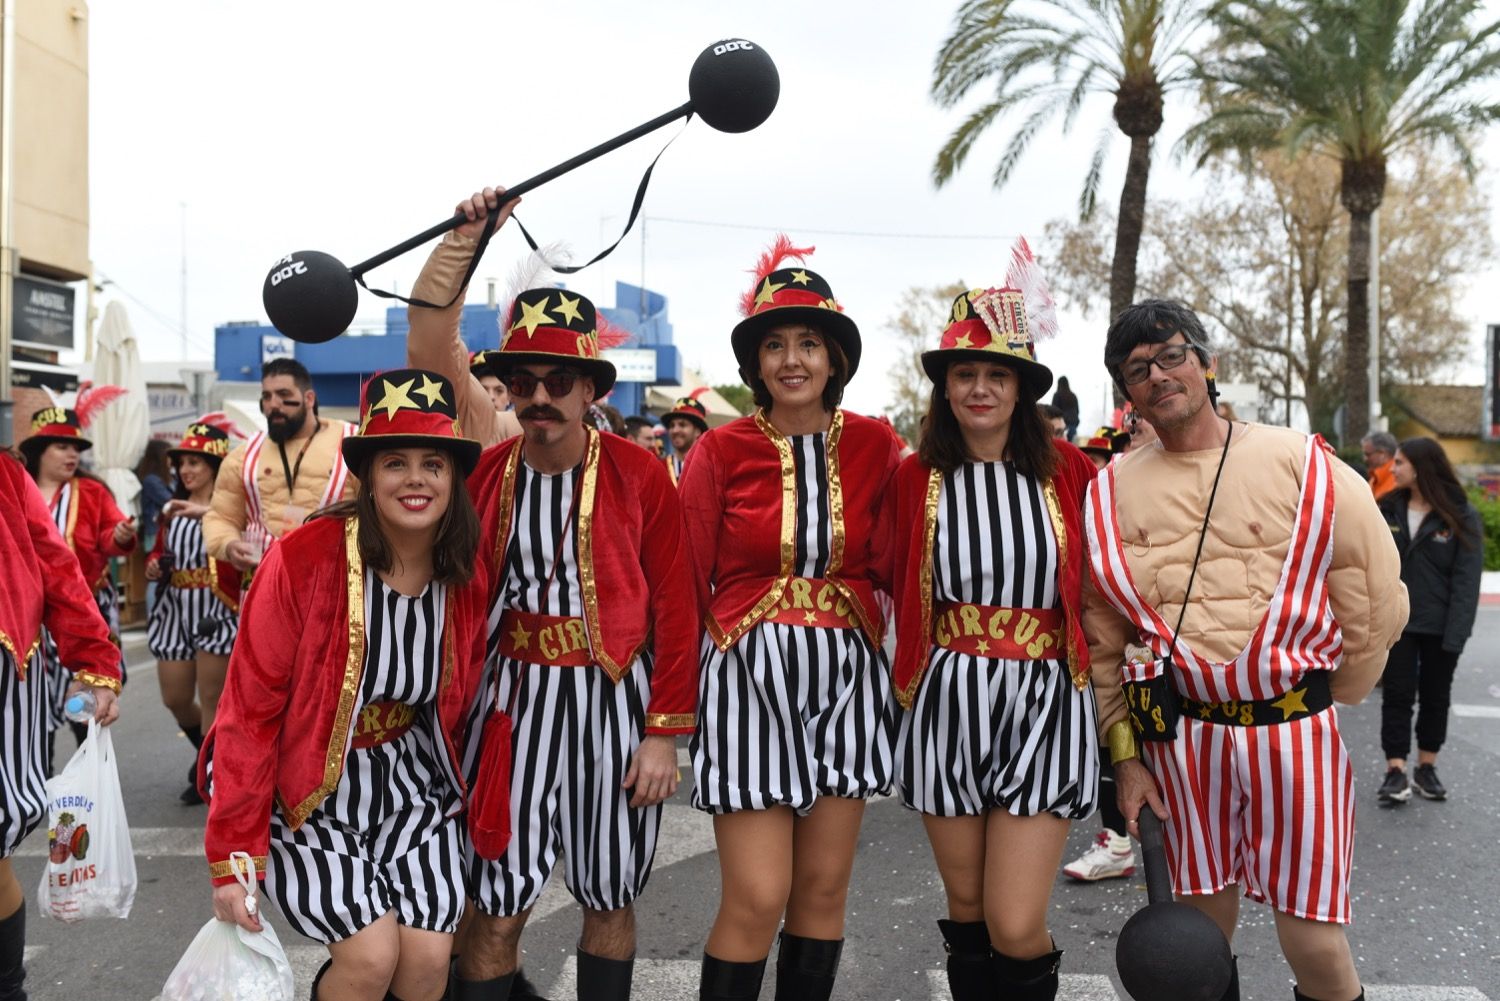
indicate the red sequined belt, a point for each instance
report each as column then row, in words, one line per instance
column 1003, row 633
column 382, row 722
column 815, row 602
column 555, row 640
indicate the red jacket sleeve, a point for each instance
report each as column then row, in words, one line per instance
column 702, row 495
column 242, row 743
column 882, row 542
column 108, row 515
column 69, row 611
column 676, row 621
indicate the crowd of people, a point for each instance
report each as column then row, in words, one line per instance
column 426, row 657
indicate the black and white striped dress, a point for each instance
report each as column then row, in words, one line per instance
column 172, row 631
column 107, row 598
column 389, row 836
column 575, row 731
column 24, row 729
column 791, row 713
column 985, row 733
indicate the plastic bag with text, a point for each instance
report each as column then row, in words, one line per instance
column 90, row 871
column 228, row 963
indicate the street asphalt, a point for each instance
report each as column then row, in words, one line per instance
column 1426, row 884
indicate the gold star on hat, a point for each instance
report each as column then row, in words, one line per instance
column 397, row 397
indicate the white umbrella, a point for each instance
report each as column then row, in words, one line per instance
column 120, row 431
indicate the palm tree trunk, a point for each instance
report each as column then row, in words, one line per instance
column 1357, row 343
column 1131, row 224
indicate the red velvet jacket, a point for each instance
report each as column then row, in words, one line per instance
column 283, row 725
column 739, row 493
column 223, row 578
column 637, row 582
column 90, row 533
column 40, row 585
column 918, row 488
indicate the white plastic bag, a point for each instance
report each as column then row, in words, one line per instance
column 90, row 870
column 227, row 963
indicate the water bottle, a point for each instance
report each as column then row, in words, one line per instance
column 80, row 706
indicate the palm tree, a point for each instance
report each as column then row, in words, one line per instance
column 1356, row 81
column 1047, row 57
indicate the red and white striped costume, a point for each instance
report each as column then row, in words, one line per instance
column 1268, row 807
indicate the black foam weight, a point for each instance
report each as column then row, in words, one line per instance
column 734, row 85
column 1173, row 952
column 310, row 296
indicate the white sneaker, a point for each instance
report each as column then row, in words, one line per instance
column 1109, row 857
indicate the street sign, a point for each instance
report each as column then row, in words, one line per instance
column 632, row 364
column 42, row 313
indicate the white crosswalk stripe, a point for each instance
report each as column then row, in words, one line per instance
column 1425, row 994
column 1073, row 987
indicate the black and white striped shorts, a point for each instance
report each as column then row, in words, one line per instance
column 575, row 733
column 329, row 880
column 172, row 632
column 23, row 750
column 986, row 734
column 791, row 713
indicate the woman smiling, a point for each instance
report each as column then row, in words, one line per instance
column 358, row 659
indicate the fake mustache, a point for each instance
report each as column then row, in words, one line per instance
column 540, row 413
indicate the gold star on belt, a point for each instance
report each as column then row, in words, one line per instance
column 520, row 637
column 1291, row 703
column 984, row 647
column 811, row 617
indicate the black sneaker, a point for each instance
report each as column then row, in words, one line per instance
column 1427, row 783
column 1395, row 790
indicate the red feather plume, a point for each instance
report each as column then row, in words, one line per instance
column 777, row 254
column 610, row 336
column 92, row 399
column 219, row 419
column 699, row 392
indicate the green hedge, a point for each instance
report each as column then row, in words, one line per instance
column 1489, row 514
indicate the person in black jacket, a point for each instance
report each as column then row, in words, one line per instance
column 1442, row 555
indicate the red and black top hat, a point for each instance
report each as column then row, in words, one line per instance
column 207, row 436
column 60, row 424
column 790, row 295
column 1001, row 325
column 409, row 408
column 689, row 408
column 1106, row 441
column 552, row 326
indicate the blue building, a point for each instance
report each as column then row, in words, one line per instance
column 340, row 366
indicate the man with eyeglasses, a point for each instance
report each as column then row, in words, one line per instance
column 1221, row 720
column 584, row 544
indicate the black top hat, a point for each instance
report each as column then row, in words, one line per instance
column 691, row 409
column 791, row 295
column 551, row 326
column 410, row 408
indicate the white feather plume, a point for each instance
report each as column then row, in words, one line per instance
column 533, row 271
column 1026, row 275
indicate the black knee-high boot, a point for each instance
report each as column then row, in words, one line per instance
column 806, row 968
column 13, row 955
column 722, row 980
column 497, row 989
column 1303, row 997
column 604, row 979
column 968, row 946
column 1026, row 979
column 190, row 795
column 194, row 734
column 523, row 989
column 313, row 996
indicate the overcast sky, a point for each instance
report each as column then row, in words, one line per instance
column 347, row 126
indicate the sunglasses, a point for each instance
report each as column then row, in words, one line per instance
column 1136, row 372
column 523, row 384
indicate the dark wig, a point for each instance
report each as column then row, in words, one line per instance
column 454, row 548
column 1152, row 321
column 838, row 374
column 1438, row 485
column 1029, row 447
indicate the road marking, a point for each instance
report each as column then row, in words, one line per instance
column 1072, row 987
column 1476, row 712
column 1425, row 994
column 32, row 952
